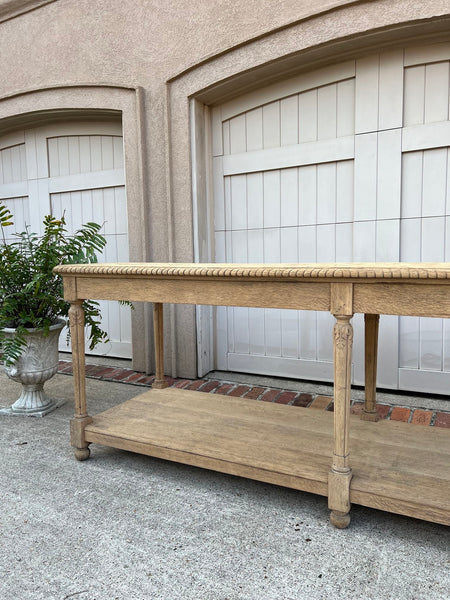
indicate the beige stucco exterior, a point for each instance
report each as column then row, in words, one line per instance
column 160, row 65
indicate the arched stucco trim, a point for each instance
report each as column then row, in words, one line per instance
column 40, row 106
column 349, row 31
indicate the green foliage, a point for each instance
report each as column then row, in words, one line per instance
column 31, row 295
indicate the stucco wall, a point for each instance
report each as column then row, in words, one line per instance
column 147, row 59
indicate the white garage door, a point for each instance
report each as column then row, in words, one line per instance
column 347, row 163
column 76, row 169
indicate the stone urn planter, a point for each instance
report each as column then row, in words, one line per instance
column 32, row 305
column 37, row 364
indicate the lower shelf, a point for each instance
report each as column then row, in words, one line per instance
column 397, row 467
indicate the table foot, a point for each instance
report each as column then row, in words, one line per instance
column 82, row 453
column 160, row 384
column 369, row 415
column 339, row 519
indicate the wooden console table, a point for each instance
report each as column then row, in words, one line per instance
column 394, row 466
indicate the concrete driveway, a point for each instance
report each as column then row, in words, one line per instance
column 121, row 526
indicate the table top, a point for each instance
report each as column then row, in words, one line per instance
column 283, row 271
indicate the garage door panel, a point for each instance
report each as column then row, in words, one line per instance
column 323, row 168
column 238, row 202
column 344, row 191
column 71, row 155
column 255, row 200
column 13, row 164
column 326, row 193
column 236, row 136
column 379, row 92
column 284, row 367
column 289, row 245
column 434, row 237
column 344, row 242
column 256, row 333
column 107, row 206
column 423, row 137
column 271, row 125
column 446, row 346
column 414, row 103
column 436, row 92
column 345, row 108
column 110, row 216
column 294, row 85
column 239, row 251
column 433, row 242
column 409, row 343
column 427, row 53
column 255, row 246
column 326, row 243
column 254, row 129
column 390, row 108
column 289, row 334
column 86, row 181
column 219, row 246
column 122, row 248
column 387, row 240
column 364, row 240
column 426, row 93
column 326, row 252
column 218, row 194
column 307, row 108
column 423, row 341
column 272, row 331
column 422, row 344
column 310, row 153
column 325, row 323
column 225, row 138
column 431, row 343
column 241, row 327
column 18, row 189
column 366, row 89
column 307, row 244
column 227, row 203
column 434, row 184
column 19, row 208
column 389, row 176
column 271, row 183
column 366, row 156
column 411, row 203
column 74, row 169
column 316, row 114
column 326, row 112
column 289, row 114
column 307, row 184
column 288, row 198
column 221, row 338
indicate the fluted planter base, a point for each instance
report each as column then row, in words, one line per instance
column 32, row 402
column 38, row 363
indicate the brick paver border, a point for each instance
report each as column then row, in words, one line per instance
column 266, row 394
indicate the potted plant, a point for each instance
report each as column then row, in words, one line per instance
column 32, row 307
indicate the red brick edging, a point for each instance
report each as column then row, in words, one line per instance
column 266, row 394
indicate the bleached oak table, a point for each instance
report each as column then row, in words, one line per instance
column 394, row 466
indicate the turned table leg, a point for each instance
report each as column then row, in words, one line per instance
column 158, row 333
column 340, row 475
column 81, row 418
column 369, row 412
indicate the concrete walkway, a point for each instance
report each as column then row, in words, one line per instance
column 126, row 527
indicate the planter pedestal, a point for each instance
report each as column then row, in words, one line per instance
column 38, row 363
column 32, row 402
